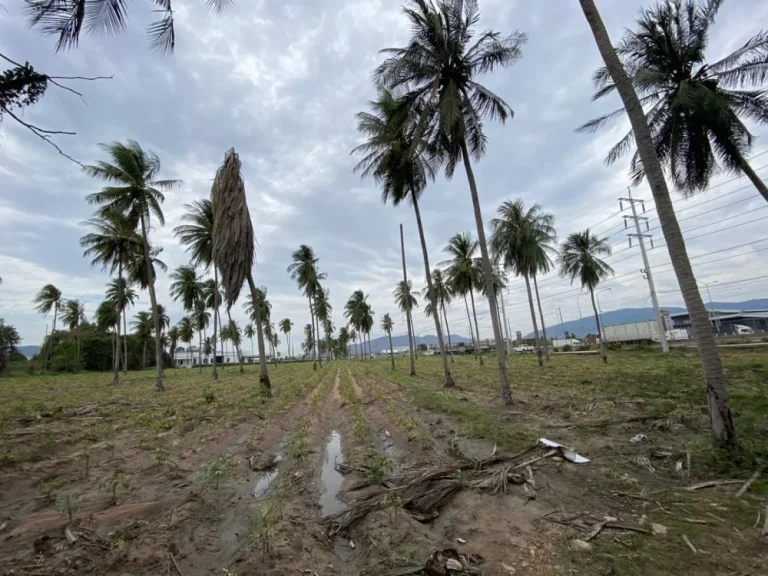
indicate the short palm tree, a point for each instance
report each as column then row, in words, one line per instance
column 186, row 332
column 307, row 275
column 249, row 332
column 186, row 287
column 720, row 416
column 121, row 292
column 323, row 310
column 73, row 315
column 406, row 301
column 197, row 235
column 142, row 325
column 49, row 298
column 236, row 337
column 285, row 328
column 353, row 337
column 110, row 246
column 234, row 244
column 395, row 156
column 694, row 108
column 173, row 339
column 359, row 314
column 580, row 258
column 440, row 288
column 522, row 243
column 387, row 325
column 200, row 319
column 309, row 343
column 134, row 191
column 463, row 276
column 107, row 319
column 343, row 341
column 438, row 72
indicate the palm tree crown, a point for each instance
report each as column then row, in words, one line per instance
column 186, row 287
column 405, row 297
column 48, row 299
column 73, row 313
column 692, row 107
column 580, row 258
column 462, row 269
column 113, row 242
column 522, row 239
column 197, row 232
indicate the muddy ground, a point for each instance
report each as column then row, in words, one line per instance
column 217, row 478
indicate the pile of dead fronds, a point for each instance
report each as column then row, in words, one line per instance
column 423, row 490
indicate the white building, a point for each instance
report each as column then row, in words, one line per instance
column 188, row 358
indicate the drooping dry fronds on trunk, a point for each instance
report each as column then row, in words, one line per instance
column 233, row 238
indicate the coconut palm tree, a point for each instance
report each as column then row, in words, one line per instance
column 49, row 298
column 720, row 417
column 693, row 108
column 285, row 327
column 353, row 337
column 406, row 300
column 309, row 343
column 186, row 332
column 110, row 246
column 134, row 190
column 443, row 296
column 343, row 339
column 437, row 71
column 69, row 19
column 107, row 319
column 187, row 289
column 200, row 319
column 197, row 235
column 142, row 324
column 73, row 315
column 463, row 276
column 173, row 339
column 307, row 275
column 580, row 258
column 234, row 243
column 236, row 337
column 394, row 155
column 120, row 291
column 522, row 243
column 248, row 332
column 387, row 325
column 358, row 313
column 323, row 310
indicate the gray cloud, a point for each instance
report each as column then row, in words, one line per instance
column 281, row 81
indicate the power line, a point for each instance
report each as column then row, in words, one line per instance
column 714, row 210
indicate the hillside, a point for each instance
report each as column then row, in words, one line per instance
column 29, row 351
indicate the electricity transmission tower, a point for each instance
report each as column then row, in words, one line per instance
column 646, row 272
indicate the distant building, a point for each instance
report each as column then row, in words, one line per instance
column 188, row 358
column 724, row 322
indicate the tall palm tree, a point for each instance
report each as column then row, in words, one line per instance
column 358, row 313
column 387, row 325
column 49, row 298
column 406, row 301
column 142, row 324
column 438, row 72
column 197, row 235
column 307, row 275
column 439, row 290
column 323, row 310
column 165, row 320
column 186, row 331
column 134, row 190
column 236, row 336
column 107, row 319
column 173, row 339
column 309, row 342
column 285, row 328
column 73, row 315
column 110, row 246
column 693, row 108
column 187, row 289
column 200, row 319
column 353, row 337
column 248, row 332
column 580, row 258
column 234, row 244
column 522, row 243
column 395, row 157
column 265, row 312
column 720, row 417
column 120, row 292
column 463, row 277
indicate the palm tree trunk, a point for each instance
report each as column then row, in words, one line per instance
column 116, row 370
column 449, row 382
column 599, row 328
column 541, row 315
column 144, row 356
column 153, row 300
column 391, row 350
column 448, row 332
column 533, row 319
column 413, row 332
column 312, row 333
column 754, row 178
column 477, row 330
column 78, row 345
column 199, row 351
column 720, row 418
column 407, row 315
column 215, row 372
column 471, row 331
column 316, row 336
column 263, row 374
column 125, row 339
column 506, row 391
column 49, row 347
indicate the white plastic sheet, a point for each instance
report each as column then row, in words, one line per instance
column 567, row 453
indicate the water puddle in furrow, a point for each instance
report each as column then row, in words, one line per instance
column 266, row 479
column 329, row 499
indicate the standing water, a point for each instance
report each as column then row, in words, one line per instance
column 332, row 478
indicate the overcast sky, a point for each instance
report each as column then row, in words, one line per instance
column 281, row 80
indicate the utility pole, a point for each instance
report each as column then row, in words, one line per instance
column 647, row 270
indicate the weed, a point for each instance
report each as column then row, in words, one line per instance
column 68, row 504
column 263, row 527
column 47, row 490
column 298, row 449
column 160, row 454
column 378, row 465
column 208, row 394
column 212, row 474
column 111, row 484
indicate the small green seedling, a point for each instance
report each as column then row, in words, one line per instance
column 263, row 527
column 86, row 458
column 160, row 454
column 112, row 483
column 208, row 394
column 68, row 504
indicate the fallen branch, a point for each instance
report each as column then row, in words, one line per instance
column 749, row 483
column 176, row 565
column 629, row 528
column 595, row 531
column 765, row 526
column 688, row 542
column 712, row 484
